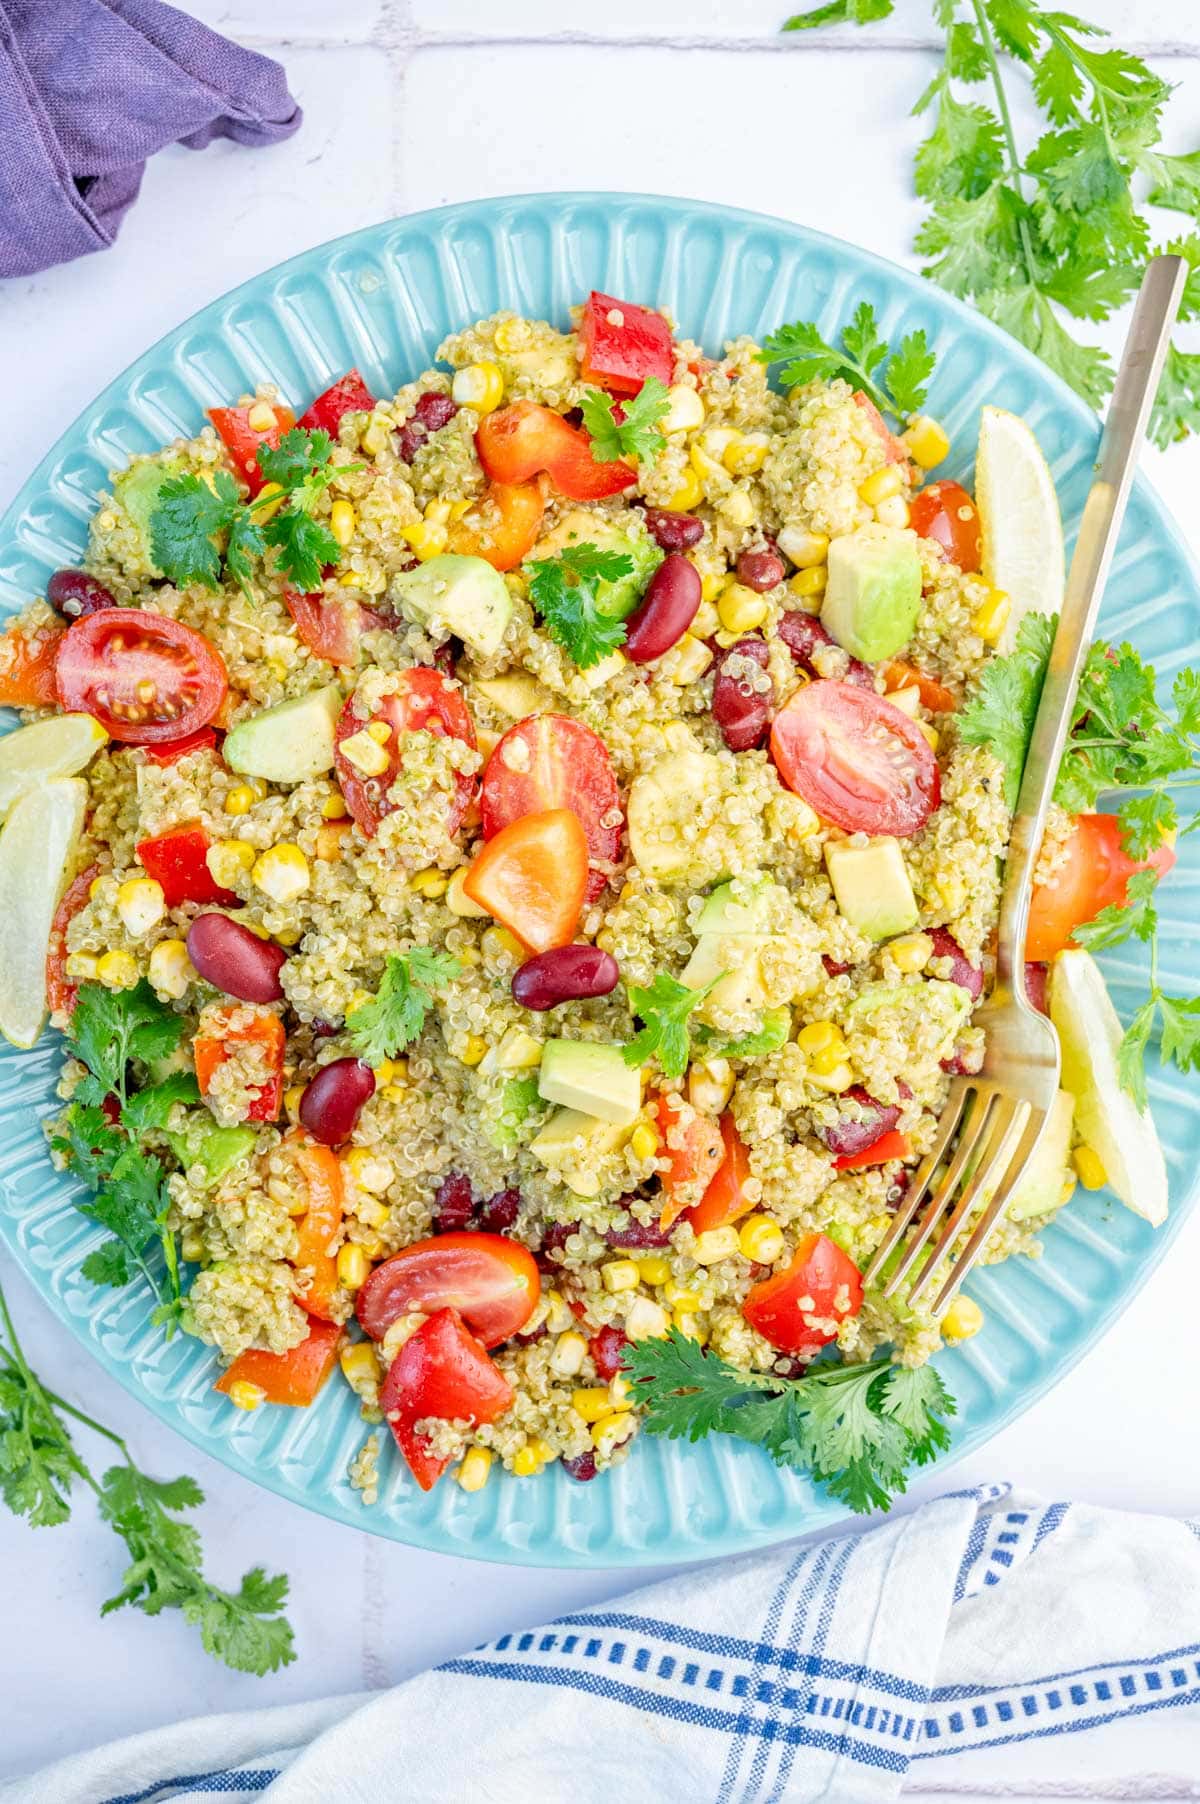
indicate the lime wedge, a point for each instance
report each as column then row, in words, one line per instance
column 36, row 848
column 1019, row 519
column 1106, row 1117
column 57, row 747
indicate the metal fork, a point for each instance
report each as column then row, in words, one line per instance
column 994, row 1120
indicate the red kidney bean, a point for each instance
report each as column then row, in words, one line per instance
column 640, row 1235
column 962, row 971
column 234, row 960
column 430, row 414
column 803, row 634
column 833, row 968
column 74, row 594
column 581, row 1467
column 760, row 570
column 554, row 1240
column 673, row 532
column 846, row 1137
column 565, row 974
column 334, row 1099
column 665, row 611
column 500, row 1212
column 606, row 1347
column 453, row 1204
column 742, row 713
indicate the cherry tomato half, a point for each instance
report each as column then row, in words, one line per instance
column 424, row 702
column 797, row 1309
column 60, row 991
column 349, row 394
column 441, row 1371
column 1094, row 874
column 148, row 680
column 331, row 625
column 490, row 1280
column 856, row 759
column 548, row 761
column 946, row 513
column 532, row 878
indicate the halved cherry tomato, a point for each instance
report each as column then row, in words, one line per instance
column 550, row 761
column 693, row 1143
column 60, row 991
column 320, row 1174
column 349, row 394
column 490, row 1280
column 621, row 345
column 856, row 759
column 331, row 625
column 533, row 877
column 503, row 527
column 1094, row 874
column 293, row 1377
column 725, row 1199
column 524, row 438
column 794, row 1309
column 242, row 439
column 203, row 741
column 178, row 861
column 147, row 679
column 889, row 1146
column 893, row 450
column 441, row 1371
column 424, row 703
column 215, row 1038
column 945, row 513
column 934, row 695
column 28, row 667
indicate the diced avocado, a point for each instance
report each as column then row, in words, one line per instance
column 743, row 910
column 463, row 594
column 616, row 599
column 584, row 1075
column 769, row 1036
column 289, row 742
column 137, row 490
column 1049, row 1171
column 518, row 1100
column 571, row 1144
column 872, row 886
column 873, row 594
column 665, row 805
column 733, row 959
column 216, row 1149
column 517, row 695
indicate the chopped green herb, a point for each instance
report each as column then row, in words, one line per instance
column 635, row 435
column 663, row 1010
column 395, row 1015
column 900, row 389
column 563, row 589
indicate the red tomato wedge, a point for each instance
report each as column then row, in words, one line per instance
column 349, row 394
column 28, row 667
column 1094, row 874
column 331, row 625
column 424, row 702
column 694, row 1144
column 242, row 440
column 893, row 450
column 934, row 695
column 293, row 1377
column 523, row 439
column 857, row 759
column 889, row 1146
column 532, row 877
column 945, row 513
column 60, row 991
column 490, row 1280
column 441, row 1371
column 203, row 741
column 622, row 345
column 504, row 527
column 725, row 1199
column 320, row 1174
column 548, row 761
column 178, row 861
column 796, row 1309
column 147, row 679
column 215, row 1036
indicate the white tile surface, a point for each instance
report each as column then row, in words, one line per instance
column 398, row 117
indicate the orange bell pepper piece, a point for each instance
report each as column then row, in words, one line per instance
column 321, row 1173
column 293, row 1377
column 725, row 1199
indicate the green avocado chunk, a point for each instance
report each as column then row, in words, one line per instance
column 593, row 1078
column 462, row 594
column 289, row 742
column 872, row 886
column 873, row 595
column 727, row 911
column 137, row 490
column 1046, row 1175
column 216, row 1149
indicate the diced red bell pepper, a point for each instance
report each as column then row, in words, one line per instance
column 211, row 1047
column 293, row 1377
column 242, row 439
column 622, row 345
column 607, row 1347
column 797, row 1308
column 444, row 1372
column 725, row 1199
column 203, row 741
column 889, row 1146
column 521, row 440
column 60, row 992
column 349, row 394
column 177, row 861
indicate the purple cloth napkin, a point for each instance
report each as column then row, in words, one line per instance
column 88, row 90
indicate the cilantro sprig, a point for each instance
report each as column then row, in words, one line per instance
column 896, row 380
column 39, row 1466
column 563, row 589
column 635, row 435
column 1038, row 231
column 858, row 1429
column 197, row 529
column 395, row 1015
column 663, row 1010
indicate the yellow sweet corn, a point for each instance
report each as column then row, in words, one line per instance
column 643, row 1142
column 511, row 335
column 458, row 901
column 690, row 659
column 654, row 1268
column 171, row 969
column 474, row 1049
column 710, row 1085
column 229, row 859
column 741, row 609
column 430, row 883
column 760, row 1239
column 991, row 619
column 526, row 1463
column 591, row 1402
column 353, row 1266
column 262, row 417
column 333, row 808
column 140, row 904
column 620, row 1274
column 687, row 1323
column 360, row 1364
column 499, row 943
column 270, row 499
column 646, row 1319
column 837, row 1078
column 292, row 1098
column 117, row 970
column 807, row 583
column 475, row 1470
column 281, row 872
column 427, row 539
column 244, row 1395
column 747, row 454
column 715, row 1244
column 329, row 840
column 682, row 1300
column 1089, row 1168
column 911, row 952
column 880, row 484
column 568, row 1354
column 240, row 799
column 894, row 511
column 805, row 549
column 926, row 442
column 819, row 1036
column 342, row 521
column 612, row 1430
column 963, row 1319
column 365, row 753
column 559, row 1315
column 688, row 495
column 685, row 409
column 479, row 386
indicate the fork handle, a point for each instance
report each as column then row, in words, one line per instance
column 1129, row 410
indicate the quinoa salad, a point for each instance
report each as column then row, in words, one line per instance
column 516, row 871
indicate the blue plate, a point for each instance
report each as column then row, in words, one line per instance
column 382, row 299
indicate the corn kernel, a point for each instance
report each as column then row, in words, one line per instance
column 117, row 971
column 353, row 1266
column 620, row 1392
column 911, row 952
column 620, row 1274
column 819, row 1036
column 740, row 609
column 286, row 936
column 476, row 1469
column 365, row 753
column 511, row 335
column 682, row 1300
column 612, row 1430
column 654, row 1268
column 360, row 1364
column 329, row 840
column 839, row 1077
column 333, row 808
column 760, row 1239
column 430, row 883
column 379, row 730
column 805, row 549
column 685, row 409
column 97, row 887
column 171, row 969
column 427, row 540
column 908, row 700
column 707, row 453
column 807, row 583
column 688, row 495
column 392, row 1071
column 991, row 619
column 686, row 1322
column 953, row 891
column 643, row 1142
column 715, row 1244
column 399, row 1332
column 710, row 1085
column 474, row 1049
column 479, row 386
column 559, row 1315
column 499, row 943
column 526, row 1463
column 229, row 859
column 140, row 904
column 268, row 501
column 375, row 436
column 568, row 1354
column 292, row 1099
column 712, row 585
column 929, row 733
column 747, row 455
column 240, row 799
column 893, row 511
column 191, row 1245
column 689, row 660
column 518, row 1051
column 393, row 1093
column 926, row 442
column 281, row 872
column 829, row 1058
column 591, row 1402
column 342, row 521
column 1089, row 1168
column 963, row 1319
column 646, row 1320
column 244, row 1395
column 880, row 484
column 262, row 417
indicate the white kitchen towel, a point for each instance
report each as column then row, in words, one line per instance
column 986, row 1645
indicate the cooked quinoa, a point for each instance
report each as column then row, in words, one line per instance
column 864, row 1022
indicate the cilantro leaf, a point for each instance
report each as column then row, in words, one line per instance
column 188, row 515
column 304, row 546
column 395, row 1015
column 298, row 454
column 1180, row 1040
column 663, row 1009
column 563, row 590
column 635, row 435
column 1146, row 820
column 151, row 1107
column 110, row 1027
column 1131, row 1054
column 1000, row 710
column 1135, row 918
column 840, row 12
column 908, row 373
column 1185, row 693
column 109, row 1263
column 807, row 357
